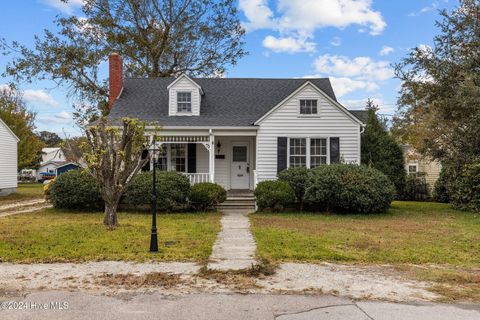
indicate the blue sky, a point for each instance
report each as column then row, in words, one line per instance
column 354, row 42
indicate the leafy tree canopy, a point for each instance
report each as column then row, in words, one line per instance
column 439, row 104
column 381, row 151
column 16, row 116
column 50, row 139
column 156, row 38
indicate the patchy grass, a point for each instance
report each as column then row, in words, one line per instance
column 61, row 236
column 133, row 281
column 411, row 232
column 240, row 279
column 25, row 191
column 453, row 284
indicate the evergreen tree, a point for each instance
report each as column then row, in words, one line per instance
column 381, row 151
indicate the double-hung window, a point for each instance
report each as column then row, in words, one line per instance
column 161, row 163
column 178, row 157
column 308, row 107
column 318, row 152
column 412, row 168
column 184, row 102
column 307, row 152
column 298, row 152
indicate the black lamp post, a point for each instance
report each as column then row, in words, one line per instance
column 153, row 237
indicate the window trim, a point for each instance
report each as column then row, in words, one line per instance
column 169, row 157
column 308, row 145
column 178, row 111
column 308, row 115
column 413, row 164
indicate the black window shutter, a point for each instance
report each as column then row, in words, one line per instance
column 334, row 149
column 146, row 166
column 282, row 143
column 192, row 157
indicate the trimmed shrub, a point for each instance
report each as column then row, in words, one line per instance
column 273, row 195
column 207, row 195
column 173, row 189
column 297, row 178
column 349, row 188
column 75, row 189
column 466, row 189
column 416, row 188
column 440, row 189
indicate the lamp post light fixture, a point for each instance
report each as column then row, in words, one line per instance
column 153, row 236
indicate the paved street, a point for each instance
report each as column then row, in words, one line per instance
column 227, row 306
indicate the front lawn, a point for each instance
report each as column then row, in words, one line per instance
column 54, row 235
column 411, row 232
column 25, row 191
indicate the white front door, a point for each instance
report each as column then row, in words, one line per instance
column 240, row 166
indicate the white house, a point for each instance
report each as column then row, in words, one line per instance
column 237, row 132
column 8, row 160
column 51, row 159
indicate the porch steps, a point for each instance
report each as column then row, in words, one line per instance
column 243, row 202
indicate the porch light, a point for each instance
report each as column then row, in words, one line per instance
column 219, row 145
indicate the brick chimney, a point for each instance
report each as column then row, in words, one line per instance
column 115, row 68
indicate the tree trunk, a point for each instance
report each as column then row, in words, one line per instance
column 111, row 220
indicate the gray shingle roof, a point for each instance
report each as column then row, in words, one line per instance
column 361, row 115
column 226, row 101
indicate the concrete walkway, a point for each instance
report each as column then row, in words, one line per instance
column 235, row 246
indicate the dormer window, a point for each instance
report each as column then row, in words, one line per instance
column 184, row 102
column 308, row 107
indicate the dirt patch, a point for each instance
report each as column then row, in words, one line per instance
column 133, row 281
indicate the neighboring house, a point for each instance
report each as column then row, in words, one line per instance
column 415, row 163
column 237, row 132
column 52, row 154
column 66, row 167
column 8, row 160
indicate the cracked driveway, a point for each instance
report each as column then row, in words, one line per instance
column 226, row 306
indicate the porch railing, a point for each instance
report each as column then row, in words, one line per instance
column 197, row 177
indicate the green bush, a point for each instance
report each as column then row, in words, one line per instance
column 416, row 188
column 297, row 179
column 349, row 188
column 207, row 195
column 273, row 195
column 173, row 189
column 465, row 193
column 75, row 189
column 440, row 189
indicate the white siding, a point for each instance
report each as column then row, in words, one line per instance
column 286, row 122
column 8, row 158
column 202, row 158
column 184, row 85
column 223, row 166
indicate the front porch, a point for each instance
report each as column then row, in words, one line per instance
column 223, row 158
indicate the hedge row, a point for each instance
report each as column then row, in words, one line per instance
column 76, row 189
column 336, row 188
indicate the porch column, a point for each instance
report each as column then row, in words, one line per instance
column 211, row 154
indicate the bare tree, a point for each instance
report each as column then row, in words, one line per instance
column 113, row 158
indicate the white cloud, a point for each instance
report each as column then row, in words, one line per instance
column 345, row 85
column 363, row 68
column 288, row 44
column 305, row 16
column 336, row 41
column 386, row 50
column 298, row 19
column 258, row 13
column 63, row 115
column 34, row 96
column 39, row 97
column 66, row 7
column 426, row 9
column 361, row 103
